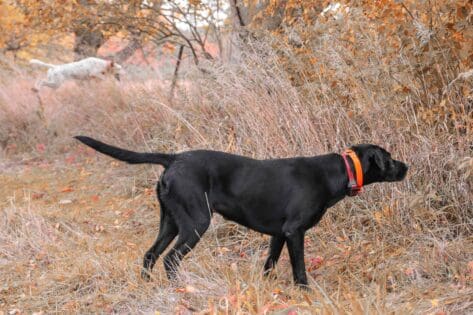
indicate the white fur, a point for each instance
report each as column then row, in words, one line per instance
column 84, row 69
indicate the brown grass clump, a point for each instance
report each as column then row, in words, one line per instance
column 74, row 225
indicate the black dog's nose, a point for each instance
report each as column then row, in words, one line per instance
column 402, row 171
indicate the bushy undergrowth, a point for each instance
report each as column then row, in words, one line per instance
column 399, row 247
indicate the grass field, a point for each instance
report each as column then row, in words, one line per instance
column 74, row 224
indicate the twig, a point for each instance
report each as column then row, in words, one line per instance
column 41, row 108
column 176, row 71
column 238, row 13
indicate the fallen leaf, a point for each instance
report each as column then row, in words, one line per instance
column 315, row 263
column 378, row 216
column 222, row 250
column 67, row 189
column 128, row 213
column 187, row 289
column 358, row 257
column 232, row 299
column 277, row 291
column 410, row 272
column 234, row 267
column 70, row 305
column 190, row 289
column 37, row 196
column 470, row 268
column 41, row 147
column 65, row 201
column 70, row 159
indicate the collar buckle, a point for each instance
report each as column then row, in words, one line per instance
column 354, row 185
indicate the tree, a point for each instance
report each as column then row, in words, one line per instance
column 93, row 22
column 12, row 35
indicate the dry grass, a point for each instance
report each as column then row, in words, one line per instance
column 399, row 248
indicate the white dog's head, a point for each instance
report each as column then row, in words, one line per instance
column 115, row 69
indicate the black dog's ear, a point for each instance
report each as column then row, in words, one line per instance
column 379, row 160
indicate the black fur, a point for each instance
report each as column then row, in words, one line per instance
column 280, row 197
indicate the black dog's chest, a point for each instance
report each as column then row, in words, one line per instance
column 333, row 201
column 254, row 217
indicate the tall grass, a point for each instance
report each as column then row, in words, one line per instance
column 401, row 248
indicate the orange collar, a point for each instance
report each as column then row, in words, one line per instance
column 353, row 186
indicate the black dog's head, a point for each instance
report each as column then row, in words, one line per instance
column 377, row 164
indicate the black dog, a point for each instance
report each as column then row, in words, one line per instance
column 280, row 197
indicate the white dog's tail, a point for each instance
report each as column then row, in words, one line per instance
column 40, row 63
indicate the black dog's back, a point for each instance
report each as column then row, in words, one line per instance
column 193, row 159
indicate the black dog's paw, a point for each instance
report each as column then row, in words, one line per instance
column 304, row 287
column 270, row 274
column 145, row 275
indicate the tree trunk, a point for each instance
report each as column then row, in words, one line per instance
column 128, row 51
column 87, row 42
column 176, row 71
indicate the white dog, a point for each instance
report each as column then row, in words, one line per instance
column 84, row 69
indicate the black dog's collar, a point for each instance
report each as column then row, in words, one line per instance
column 354, row 186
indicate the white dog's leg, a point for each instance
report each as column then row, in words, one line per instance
column 52, row 84
column 37, row 86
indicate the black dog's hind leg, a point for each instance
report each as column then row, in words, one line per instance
column 275, row 248
column 167, row 232
column 192, row 220
column 185, row 243
column 295, row 245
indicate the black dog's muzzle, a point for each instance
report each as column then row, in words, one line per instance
column 397, row 173
column 402, row 170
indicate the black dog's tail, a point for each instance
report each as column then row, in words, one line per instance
column 128, row 156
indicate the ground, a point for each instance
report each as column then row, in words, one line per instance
column 75, row 229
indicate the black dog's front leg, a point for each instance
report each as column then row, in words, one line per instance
column 295, row 245
column 275, row 248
